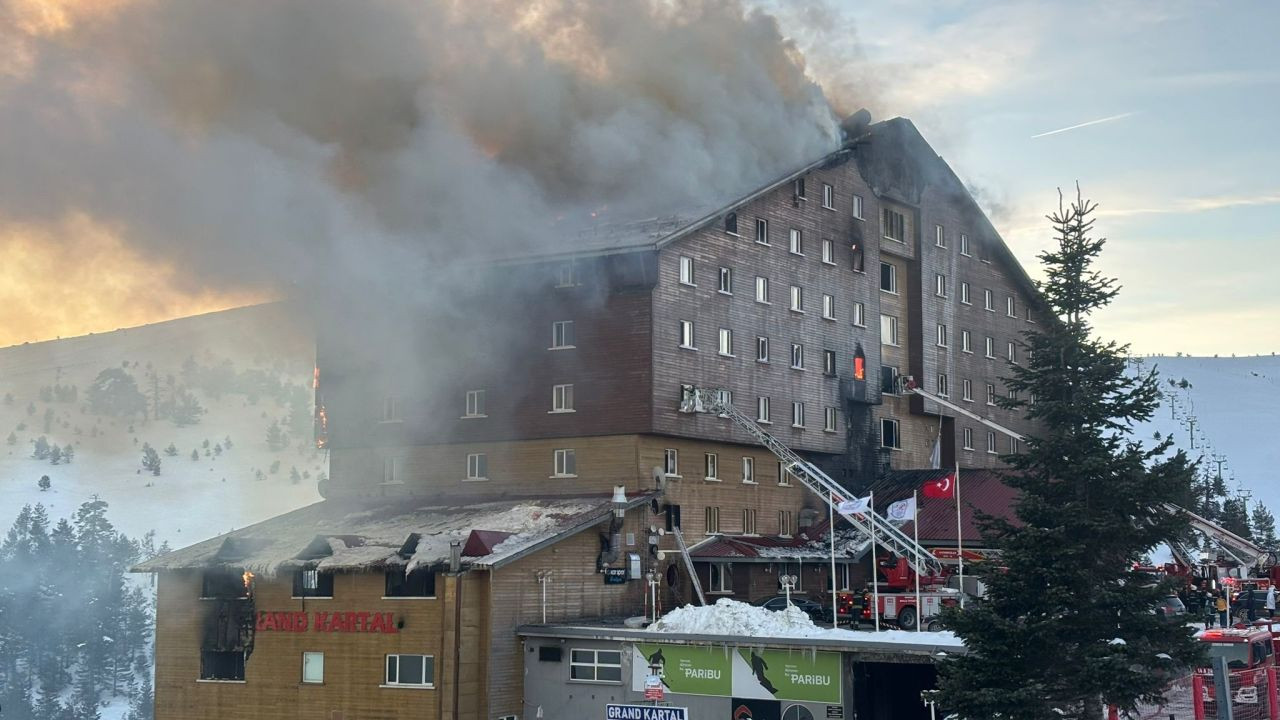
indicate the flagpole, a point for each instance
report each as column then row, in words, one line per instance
column 959, row 536
column 831, row 533
column 915, row 529
column 875, row 582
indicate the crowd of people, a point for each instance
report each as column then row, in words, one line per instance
column 1213, row 603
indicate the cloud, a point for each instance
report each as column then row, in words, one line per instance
column 1192, row 205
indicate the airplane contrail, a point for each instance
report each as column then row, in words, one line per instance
column 1083, row 124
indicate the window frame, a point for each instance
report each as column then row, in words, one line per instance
column 797, row 414
column 749, row 521
column 966, row 342
column 725, row 286
column 894, row 339
column 939, row 236
column 595, row 665
column 562, row 459
column 828, row 196
column 966, row 389
column 796, row 242
column 991, row 443
column 797, row 299
column 991, row 394
column 964, row 293
column 968, row 439
column 562, row 400
column 762, row 231
column 208, row 675
column 711, row 520
column 828, row 251
column 687, row 274
column 722, row 572
column 1011, row 307
column 762, row 349
column 763, row 410
column 893, row 278
column 762, row 290
column 398, row 584
column 990, row 348
column 829, row 364
column 711, row 467
column 688, row 335
column 964, row 245
column 942, row 338
column 944, row 385
column 895, row 434
column 890, row 221
column 725, row 343
column 563, row 335
column 387, row 680
column 312, row 654
column 860, row 314
column 475, row 404
column 828, row 307
column 748, row 470
column 323, row 582
column 830, row 419
column 797, row 356
column 857, row 207
column 671, row 462
column 477, row 466
column 988, row 300
column 940, row 285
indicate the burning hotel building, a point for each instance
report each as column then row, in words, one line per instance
column 547, row 473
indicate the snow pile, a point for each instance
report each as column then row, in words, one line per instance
column 730, row 617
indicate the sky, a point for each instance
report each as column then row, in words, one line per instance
column 1164, row 113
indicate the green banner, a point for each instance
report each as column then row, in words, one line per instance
column 794, row 675
column 689, row 669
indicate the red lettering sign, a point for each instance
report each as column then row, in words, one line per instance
column 343, row 622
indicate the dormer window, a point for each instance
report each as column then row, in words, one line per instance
column 313, row 584
column 421, row 583
column 224, row 584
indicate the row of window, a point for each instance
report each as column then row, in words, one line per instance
column 943, row 340
column 800, row 195
column 564, row 464
column 711, row 467
column 226, row 585
column 401, row 670
column 991, row 442
column 711, row 522
column 891, row 437
column 889, row 284
column 762, row 293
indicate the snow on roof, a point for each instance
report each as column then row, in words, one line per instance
column 368, row 534
column 730, row 617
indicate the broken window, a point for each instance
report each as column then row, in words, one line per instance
column 223, row 584
column 312, row 583
column 222, row 665
column 731, row 223
column 420, row 583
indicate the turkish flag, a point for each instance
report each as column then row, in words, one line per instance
column 944, row 488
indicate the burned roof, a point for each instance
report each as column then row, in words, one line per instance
column 981, row 491
column 353, row 535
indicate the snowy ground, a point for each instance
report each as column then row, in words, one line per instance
column 190, row 500
column 1236, row 406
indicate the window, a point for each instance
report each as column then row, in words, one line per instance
column 411, row 670
column 857, row 206
column 1010, row 307
column 966, row 341
column 726, row 342
column 686, row 270
column 888, row 330
column 762, row 349
column 859, row 264
column 420, row 583
column 991, row 394
column 223, row 584
column 889, row 434
column 968, row 438
column 595, row 666
column 991, row 348
column 731, row 223
column 762, row 409
column 799, row 188
column 566, row 463
column 859, row 314
column 966, row 389
column 964, row 293
column 686, row 335
column 313, row 667
column 477, row 466
column 944, row 387
column 1013, row 353
column 312, row 583
column 942, row 335
column 561, row 398
column 797, row 298
column 829, row 252
column 986, row 300
column 784, row 477
column 762, row 231
column 894, row 225
column 828, row 307
column 991, row 442
column 785, row 527
column 562, row 335
column 797, row 242
column 829, row 362
column 217, row 665
column 940, row 285
column 797, row 414
column 748, row 521
column 1027, row 312
column 888, row 379
column 888, row 278
column 565, row 276
column 797, row 356
column 712, row 466
column 1013, row 445
column 829, row 419
column 475, row 403
column 671, row 462
column 1013, row 394
column 859, row 364
column 726, row 280
column 712, row 519
column 939, row 237
column 390, row 409
column 964, row 244
column 828, row 197
column 749, row 470
column 721, row 577
column 762, row 290
column 391, row 471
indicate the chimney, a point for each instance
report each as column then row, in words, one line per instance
column 455, row 556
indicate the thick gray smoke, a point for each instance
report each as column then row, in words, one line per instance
column 267, row 144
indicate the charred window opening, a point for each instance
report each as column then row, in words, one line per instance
column 312, row 583
column 225, row 584
column 222, row 665
column 731, row 223
column 419, row 583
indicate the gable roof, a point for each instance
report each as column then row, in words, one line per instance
column 981, row 491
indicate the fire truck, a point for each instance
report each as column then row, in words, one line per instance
column 1251, row 662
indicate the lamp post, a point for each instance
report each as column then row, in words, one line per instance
column 788, row 584
column 652, row 579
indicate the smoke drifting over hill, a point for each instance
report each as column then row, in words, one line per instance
column 275, row 146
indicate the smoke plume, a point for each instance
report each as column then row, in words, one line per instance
column 311, row 144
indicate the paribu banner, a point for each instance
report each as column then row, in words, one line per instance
column 743, row 673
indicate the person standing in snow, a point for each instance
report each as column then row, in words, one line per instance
column 1248, row 604
column 1271, row 601
column 1221, row 605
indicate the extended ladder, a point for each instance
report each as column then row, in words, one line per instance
column 701, row 400
column 688, row 565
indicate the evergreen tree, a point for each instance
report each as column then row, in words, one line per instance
column 187, row 410
column 172, row 450
column 41, row 449
column 150, row 459
column 1235, row 517
column 68, row 453
column 1264, row 527
column 1069, row 625
column 48, row 419
column 12, row 439
column 55, row 455
column 45, row 483
column 143, row 704
column 195, row 455
column 276, row 439
column 115, row 392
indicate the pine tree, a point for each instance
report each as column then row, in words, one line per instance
column 1042, row 642
column 1264, row 527
column 172, row 450
column 195, row 455
column 55, row 455
column 44, row 483
column 276, row 440
column 41, row 449
column 1235, row 517
column 187, row 410
column 150, row 459
column 12, row 439
column 68, row 453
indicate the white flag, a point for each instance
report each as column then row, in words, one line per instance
column 903, row 510
column 856, row 505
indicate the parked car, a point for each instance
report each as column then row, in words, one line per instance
column 1171, row 607
column 816, row 612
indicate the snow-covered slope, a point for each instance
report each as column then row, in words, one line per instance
column 1235, row 406
column 190, row 500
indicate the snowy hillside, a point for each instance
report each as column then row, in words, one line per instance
column 1233, row 407
column 247, row 368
